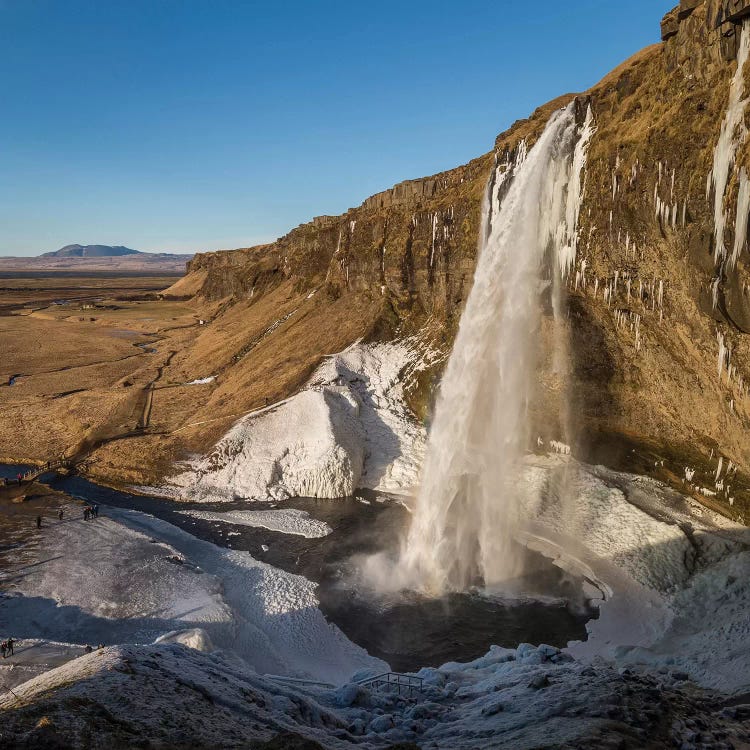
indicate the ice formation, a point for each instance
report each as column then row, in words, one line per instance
column 348, row 428
column 733, row 134
column 466, row 511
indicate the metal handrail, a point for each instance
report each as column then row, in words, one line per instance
column 408, row 682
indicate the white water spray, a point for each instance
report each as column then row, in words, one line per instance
column 466, row 512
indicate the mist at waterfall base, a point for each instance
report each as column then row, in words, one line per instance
column 466, row 515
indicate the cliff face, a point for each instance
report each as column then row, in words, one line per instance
column 658, row 315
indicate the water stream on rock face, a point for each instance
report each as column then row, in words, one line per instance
column 466, row 513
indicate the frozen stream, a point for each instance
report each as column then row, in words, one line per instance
column 407, row 632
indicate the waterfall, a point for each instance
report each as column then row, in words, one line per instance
column 466, row 511
column 733, row 133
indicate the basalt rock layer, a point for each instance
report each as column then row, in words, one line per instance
column 658, row 320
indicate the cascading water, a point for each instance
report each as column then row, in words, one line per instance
column 466, row 512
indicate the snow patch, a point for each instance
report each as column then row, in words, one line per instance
column 286, row 520
column 202, row 381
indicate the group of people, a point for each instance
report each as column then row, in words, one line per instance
column 6, row 647
column 89, row 512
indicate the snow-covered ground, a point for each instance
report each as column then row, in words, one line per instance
column 285, row 520
column 131, row 578
column 348, row 428
column 674, row 575
column 517, row 699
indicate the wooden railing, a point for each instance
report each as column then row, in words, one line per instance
column 36, row 471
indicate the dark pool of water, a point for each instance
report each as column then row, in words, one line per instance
column 408, row 631
column 11, row 471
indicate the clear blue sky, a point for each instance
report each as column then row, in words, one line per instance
column 184, row 125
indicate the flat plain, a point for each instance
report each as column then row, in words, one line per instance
column 81, row 352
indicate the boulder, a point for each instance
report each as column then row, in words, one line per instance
column 735, row 10
column 670, row 25
column 686, row 7
column 492, row 708
column 349, row 695
column 539, row 681
column 381, row 724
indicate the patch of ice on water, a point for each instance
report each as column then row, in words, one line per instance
column 287, row 521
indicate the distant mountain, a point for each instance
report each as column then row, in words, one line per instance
column 91, row 251
column 103, row 251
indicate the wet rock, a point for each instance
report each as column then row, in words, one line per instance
column 357, row 727
column 382, row 724
column 493, row 708
column 349, row 695
column 425, row 711
column 539, row 681
column 548, row 651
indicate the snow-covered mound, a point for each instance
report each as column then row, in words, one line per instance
column 195, row 638
column 285, row 520
column 709, row 634
column 164, row 695
column 348, row 428
column 674, row 575
column 131, row 578
column 310, row 445
column 595, row 505
column 516, row 699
